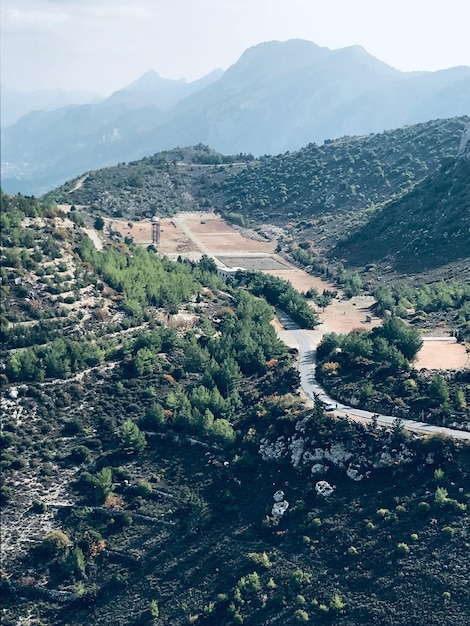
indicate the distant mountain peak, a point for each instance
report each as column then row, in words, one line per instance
column 152, row 81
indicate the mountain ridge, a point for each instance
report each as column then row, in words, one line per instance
column 279, row 96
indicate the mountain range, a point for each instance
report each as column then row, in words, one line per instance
column 16, row 104
column 278, row 97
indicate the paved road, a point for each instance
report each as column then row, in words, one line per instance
column 307, row 342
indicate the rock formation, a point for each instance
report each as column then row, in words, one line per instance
column 464, row 148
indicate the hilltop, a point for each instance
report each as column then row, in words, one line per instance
column 325, row 192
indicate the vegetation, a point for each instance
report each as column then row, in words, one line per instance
column 151, row 418
column 374, row 369
column 340, row 176
column 282, row 295
column 424, row 229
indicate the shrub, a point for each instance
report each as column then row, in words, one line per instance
column 336, row 603
column 448, row 532
column 440, row 497
column 424, row 507
column 300, row 577
column 56, row 542
column 403, row 548
column 39, row 507
column 249, row 584
column 154, row 610
column 144, row 488
column 261, row 558
column 5, row 495
column 301, row 616
column 80, row 454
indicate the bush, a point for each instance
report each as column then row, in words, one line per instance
column 336, row 603
column 448, row 532
column 56, row 542
column 249, row 584
column 261, row 558
column 301, row 616
column 39, row 507
column 403, row 549
column 80, row 454
column 424, row 507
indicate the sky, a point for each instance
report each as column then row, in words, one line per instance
column 103, row 45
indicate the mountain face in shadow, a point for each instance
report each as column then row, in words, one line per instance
column 279, row 96
column 426, row 228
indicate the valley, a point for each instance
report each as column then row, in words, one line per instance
column 192, row 235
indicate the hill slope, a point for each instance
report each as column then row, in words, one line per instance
column 145, row 462
column 279, row 96
column 427, row 228
column 344, row 175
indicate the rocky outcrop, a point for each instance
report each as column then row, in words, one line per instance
column 464, row 148
column 358, row 463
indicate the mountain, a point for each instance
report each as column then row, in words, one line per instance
column 279, row 96
column 15, row 104
column 46, row 146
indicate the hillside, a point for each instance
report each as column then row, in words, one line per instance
column 349, row 174
column 425, row 229
column 159, row 467
column 279, row 96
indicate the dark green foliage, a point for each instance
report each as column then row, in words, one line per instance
column 280, row 293
column 132, row 439
column 425, row 229
column 99, row 223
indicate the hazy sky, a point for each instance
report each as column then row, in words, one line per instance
column 102, row 45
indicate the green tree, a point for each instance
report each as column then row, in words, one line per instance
column 133, row 439
column 99, row 223
column 439, row 389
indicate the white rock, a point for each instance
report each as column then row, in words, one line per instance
column 297, row 447
column 353, row 474
column 324, row 489
column 464, row 148
column 278, row 496
column 279, row 509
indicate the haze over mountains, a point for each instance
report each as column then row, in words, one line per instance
column 279, row 96
column 15, row 104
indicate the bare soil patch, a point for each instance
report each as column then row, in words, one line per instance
column 301, row 280
column 443, row 355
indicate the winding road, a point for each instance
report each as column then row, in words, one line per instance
column 307, row 342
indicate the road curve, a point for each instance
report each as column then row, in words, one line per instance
column 307, row 342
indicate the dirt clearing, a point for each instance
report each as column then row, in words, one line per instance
column 445, row 354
